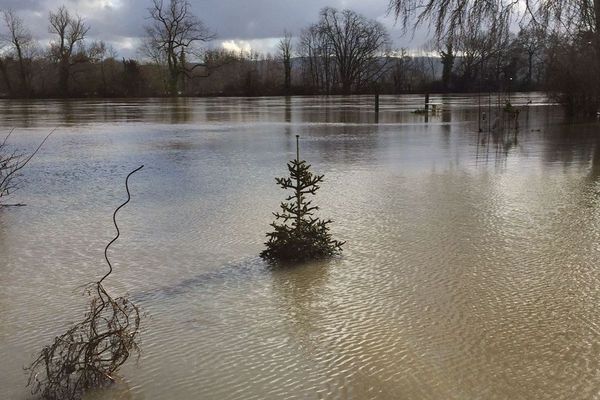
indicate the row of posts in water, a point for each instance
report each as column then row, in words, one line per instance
column 513, row 114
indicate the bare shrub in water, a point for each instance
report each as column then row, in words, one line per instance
column 11, row 163
column 90, row 352
column 300, row 236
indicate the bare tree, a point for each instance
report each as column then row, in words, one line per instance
column 103, row 55
column 475, row 48
column 532, row 41
column 71, row 31
column 22, row 47
column 358, row 45
column 400, row 72
column 285, row 54
column 173, row 36
column 4, row 67
column 316, row 52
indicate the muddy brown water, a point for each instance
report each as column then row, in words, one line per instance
column 470, row 270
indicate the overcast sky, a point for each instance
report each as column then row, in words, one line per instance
column 240, row 24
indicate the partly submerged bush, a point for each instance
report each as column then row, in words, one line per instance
column 299, row 235
column 90, row 352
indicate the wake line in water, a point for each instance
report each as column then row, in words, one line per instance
column 237, row 271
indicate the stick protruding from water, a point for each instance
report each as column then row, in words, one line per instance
column 117, row 226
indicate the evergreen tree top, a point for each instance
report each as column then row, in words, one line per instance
column 298, row 235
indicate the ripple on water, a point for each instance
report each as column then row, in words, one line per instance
column 469, row 270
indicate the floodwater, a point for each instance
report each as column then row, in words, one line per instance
column 470, row 269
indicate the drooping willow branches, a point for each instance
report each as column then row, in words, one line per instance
column 449, row 17
column 90, row 352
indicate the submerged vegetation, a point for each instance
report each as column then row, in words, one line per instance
column 300, row 236
column 90, row 352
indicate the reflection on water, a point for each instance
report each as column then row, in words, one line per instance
column 333, row 110
column 470, row 270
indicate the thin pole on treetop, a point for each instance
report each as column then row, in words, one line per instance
column 298, row 192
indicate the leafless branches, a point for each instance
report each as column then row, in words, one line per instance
column 11, row 164
column 71, row 31
column 90, row 352
column 22, row 47
column 317, row 54
column 448, row 17
column 358, row 46
column 285, row 54
column 172, row 37
column 345, row 50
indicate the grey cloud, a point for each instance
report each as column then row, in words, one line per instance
column 247, row 20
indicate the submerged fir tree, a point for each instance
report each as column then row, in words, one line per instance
column 298, row 235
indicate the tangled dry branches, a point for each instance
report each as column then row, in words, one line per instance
column 87, row 355
column 90, row 352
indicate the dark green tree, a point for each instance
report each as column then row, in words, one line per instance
column 298, row 234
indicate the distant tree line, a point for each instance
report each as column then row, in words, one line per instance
column 343, row 52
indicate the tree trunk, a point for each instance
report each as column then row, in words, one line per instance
column 23, row 73
column 4, row 71
column 529, row 70
column 346, row 86
column 63, row 77
column 173, row 78
column 287, row 67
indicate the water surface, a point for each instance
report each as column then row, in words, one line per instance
column 470, row 269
